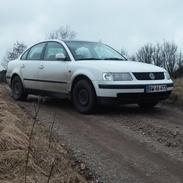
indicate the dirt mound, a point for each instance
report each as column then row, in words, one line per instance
column 11, row 138
column 13, row 143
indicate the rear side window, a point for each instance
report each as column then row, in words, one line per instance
column 36, row 51
column 52, row 49
column 24, row 56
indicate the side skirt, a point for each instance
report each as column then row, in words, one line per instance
column 47, row 93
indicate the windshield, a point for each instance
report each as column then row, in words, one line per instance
column 82, row 50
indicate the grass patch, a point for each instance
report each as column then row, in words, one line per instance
column 176, row 97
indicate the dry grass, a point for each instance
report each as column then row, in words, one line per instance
column 14, row 129
column 177, row 94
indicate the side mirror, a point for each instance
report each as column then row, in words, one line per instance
column 60, row 56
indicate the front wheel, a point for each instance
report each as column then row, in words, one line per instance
column 83, row 96
column 18, row 91
column 147, row 105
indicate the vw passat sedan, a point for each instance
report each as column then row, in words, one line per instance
column 88, row 73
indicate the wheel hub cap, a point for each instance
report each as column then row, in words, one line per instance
column 17, row 88
column 83, row 97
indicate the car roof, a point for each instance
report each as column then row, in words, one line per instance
column 78, row 41
column 69, row 40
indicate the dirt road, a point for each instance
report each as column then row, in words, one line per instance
column 125, row 145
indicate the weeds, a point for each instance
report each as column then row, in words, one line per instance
column 35, row 117
column 51, row 170
column 36, row 112
column 51, row 130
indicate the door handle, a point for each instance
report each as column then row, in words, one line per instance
column 41, row 67
column 22, row 66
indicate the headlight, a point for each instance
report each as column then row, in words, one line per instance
column 167, row 75
column 117, row 76
column 107, row 76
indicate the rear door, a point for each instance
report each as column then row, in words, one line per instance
column 54, row 73
column 30, row 66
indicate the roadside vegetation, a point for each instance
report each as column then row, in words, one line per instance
column 29, row 153
column 176, row 97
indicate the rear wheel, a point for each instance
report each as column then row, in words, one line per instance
column 83, row 96
column 18, row 91
column 147, row 105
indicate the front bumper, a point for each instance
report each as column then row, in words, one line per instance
column 134, row 98
column 128, row 94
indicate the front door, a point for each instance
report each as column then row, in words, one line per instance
column 54, row 73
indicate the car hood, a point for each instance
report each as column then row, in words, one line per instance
column 120, row 66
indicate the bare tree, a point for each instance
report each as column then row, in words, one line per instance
column 132, row 58
column 169, row 56
column 145, row 54
column 13, row 53
column 164, row 55
column 179, row 69
column 124, row 52
column 64, row 32
column 180, row 60
column 156, row 56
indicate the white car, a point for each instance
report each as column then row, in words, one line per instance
column 88, row 73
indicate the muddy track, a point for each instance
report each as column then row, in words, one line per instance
column 123, row 144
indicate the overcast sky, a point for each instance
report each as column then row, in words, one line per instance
column 121, row 23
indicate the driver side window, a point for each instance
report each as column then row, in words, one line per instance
column 52, row 49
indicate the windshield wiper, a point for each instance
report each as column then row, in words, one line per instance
column 112, row 59
column 89, row 59
column 100, row 59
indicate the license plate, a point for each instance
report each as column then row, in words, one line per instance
column 156, row 88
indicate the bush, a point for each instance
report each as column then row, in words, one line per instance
column 177, row 94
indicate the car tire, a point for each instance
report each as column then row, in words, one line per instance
column 83, row 96
column 147, row 105
column 17, row 89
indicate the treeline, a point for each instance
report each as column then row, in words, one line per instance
column 166, row 55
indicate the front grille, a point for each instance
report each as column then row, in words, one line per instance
column 147, row 75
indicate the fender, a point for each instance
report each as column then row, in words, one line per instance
column 87, row 73
column 17, row 72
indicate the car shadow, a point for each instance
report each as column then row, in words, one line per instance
column 65, row 104
column 128, row 109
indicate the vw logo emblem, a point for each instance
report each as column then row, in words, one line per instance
column 152, row 76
